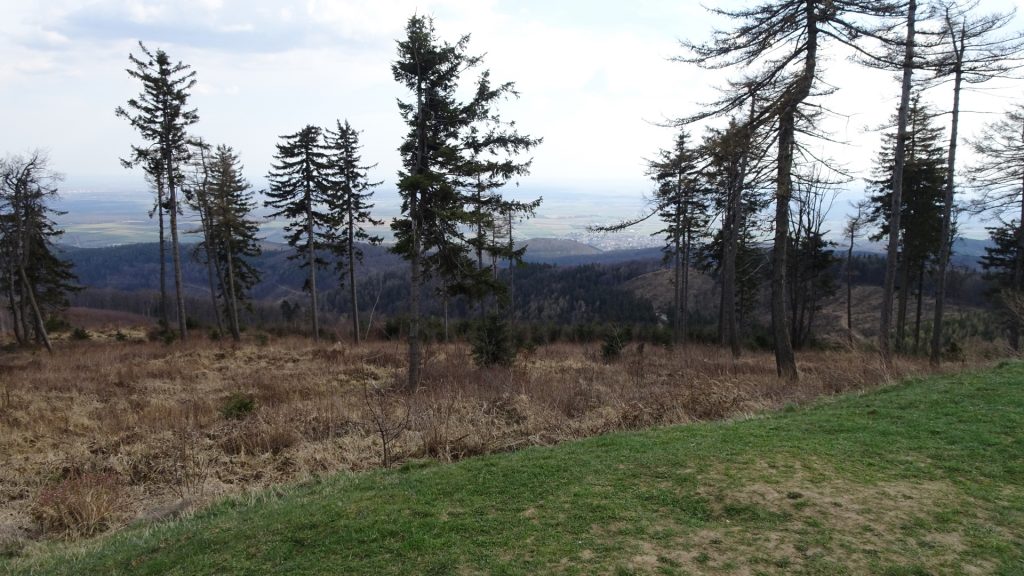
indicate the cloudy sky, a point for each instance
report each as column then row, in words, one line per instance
column 594, row 77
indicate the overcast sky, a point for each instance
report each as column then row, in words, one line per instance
column 594, row 78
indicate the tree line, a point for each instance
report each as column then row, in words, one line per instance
column 756, row 173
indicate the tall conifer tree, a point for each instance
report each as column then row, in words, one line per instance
column 348, row 205
column 298, row 188
column 431, row 233
column 161, row 115
column 233, row 232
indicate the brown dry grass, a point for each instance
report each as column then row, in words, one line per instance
column 148, row 419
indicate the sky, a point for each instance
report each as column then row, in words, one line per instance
column 595, row 79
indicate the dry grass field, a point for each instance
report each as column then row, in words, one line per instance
column 109, row 431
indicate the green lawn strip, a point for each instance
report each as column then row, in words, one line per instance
column 923, row 477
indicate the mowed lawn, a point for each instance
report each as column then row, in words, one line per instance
column 924, row 477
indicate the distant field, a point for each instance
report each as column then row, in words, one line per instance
column 925, row 477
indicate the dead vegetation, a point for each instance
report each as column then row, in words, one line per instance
column 105, row 432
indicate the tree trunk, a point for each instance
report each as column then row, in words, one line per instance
column 901, row 312
column 213, row 274
column 444, row 305
column 179, row 289
column 684, row 296
column 511, row 273
column 885, row 322
column 352, row 276
column 165, row 305
column 19, row 334
column 213, row 286
column 1018, row 271
column 236, row 332
column 37, row 314
column 947, row 222
column 26, row 323
column 728, row 322
column 677, row 278
column 785, row 361
column 414, row 262
column 206, row 220
column 917, row 314
column 414, row 303
column 849, row 288
column 312, row 268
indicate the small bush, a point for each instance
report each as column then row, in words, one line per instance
column 120, row 336
column 80, row 334
column 81, row 505
column 238, row 405
column 492, row 343
column 55, row 324
column 611, row 348
column 165, row 335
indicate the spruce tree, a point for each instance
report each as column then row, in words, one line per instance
column 920, row 215
column 196, row 188
column 491, row 150
column 36, row 279
column 298, row 189
column 161, row 115
column 682, row 202
column 682, row 198
column 431, row 233
column 348, row 206
column 233, row 232
column 735, row 172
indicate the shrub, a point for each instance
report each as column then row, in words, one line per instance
column 492, row 343
column 120, row 336
column 165, row 335
column 80, row 334
column 56, row 324
column 238, row 405
column 83, row 504
column 611, row 348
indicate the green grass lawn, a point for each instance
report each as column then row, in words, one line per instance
column 926, row 477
